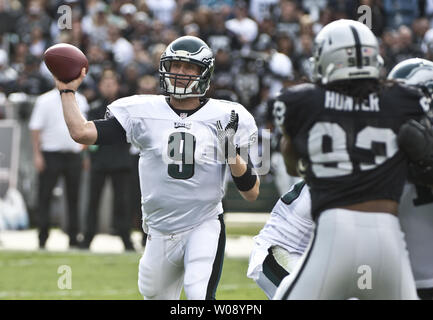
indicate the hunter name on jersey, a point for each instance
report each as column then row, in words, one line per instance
column 341, row 102
column 343, row 154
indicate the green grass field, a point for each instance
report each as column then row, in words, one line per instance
column 34, row 275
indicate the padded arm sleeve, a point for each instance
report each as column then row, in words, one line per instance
column 416, row 141
column 110, row 131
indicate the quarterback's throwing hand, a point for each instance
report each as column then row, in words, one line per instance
column 226, row 138
column 74, row 84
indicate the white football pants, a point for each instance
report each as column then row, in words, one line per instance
column 269, row 265
column 192, row 258
column 353, row 255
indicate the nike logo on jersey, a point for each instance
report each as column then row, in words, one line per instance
column 340, row 102
column 182, row 125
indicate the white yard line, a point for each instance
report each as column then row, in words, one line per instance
column 243, row 217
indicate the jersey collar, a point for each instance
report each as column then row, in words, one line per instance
column 183, row 114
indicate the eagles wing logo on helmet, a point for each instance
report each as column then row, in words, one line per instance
column 192, row 50
column 416, row 72
column 345, row 50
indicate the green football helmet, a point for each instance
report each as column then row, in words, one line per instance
column 189, row 49
column 415, row 72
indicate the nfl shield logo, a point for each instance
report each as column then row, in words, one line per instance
column 183, row 115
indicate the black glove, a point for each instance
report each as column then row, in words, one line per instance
column 422, row 176
column 227, row 147
column 416, row 140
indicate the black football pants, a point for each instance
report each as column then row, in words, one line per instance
column 121, row 212
column 68, row 165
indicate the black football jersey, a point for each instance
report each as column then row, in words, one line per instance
column 348, row 148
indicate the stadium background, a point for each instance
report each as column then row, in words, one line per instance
column 256, row 56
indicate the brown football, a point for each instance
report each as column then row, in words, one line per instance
column 65, row 61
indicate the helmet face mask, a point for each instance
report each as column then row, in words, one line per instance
column 191, row 50
column 345, row 50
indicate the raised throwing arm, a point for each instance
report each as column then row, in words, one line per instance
column 81, row 130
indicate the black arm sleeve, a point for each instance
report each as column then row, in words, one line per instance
column 110, row 131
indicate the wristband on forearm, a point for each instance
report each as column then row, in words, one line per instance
column 66, row 91
column 246, row 181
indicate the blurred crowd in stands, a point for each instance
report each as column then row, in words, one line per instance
column 259, row 45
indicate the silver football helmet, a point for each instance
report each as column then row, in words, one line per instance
column 345, row 50
column 415, row 72
column 189, row 49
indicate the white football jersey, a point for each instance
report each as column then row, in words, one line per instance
column 416, row 219
column 290, row 225
column 181, row 179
